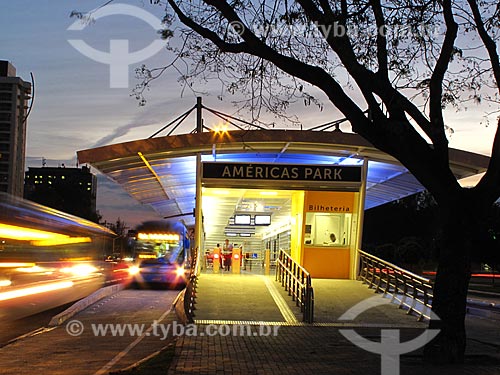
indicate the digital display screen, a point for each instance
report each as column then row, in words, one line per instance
column 242, row 219
column 262, row 219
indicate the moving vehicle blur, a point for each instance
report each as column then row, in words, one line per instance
column 47, row 257
column 161, row 255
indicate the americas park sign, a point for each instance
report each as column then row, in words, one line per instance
column 281, row 172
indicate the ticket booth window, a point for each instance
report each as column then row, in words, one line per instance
column 327, row 229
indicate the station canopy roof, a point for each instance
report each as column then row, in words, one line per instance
column 161, row 171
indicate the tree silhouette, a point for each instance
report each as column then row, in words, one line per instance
column 390, row 67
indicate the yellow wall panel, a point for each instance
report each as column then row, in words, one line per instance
column 332, row 263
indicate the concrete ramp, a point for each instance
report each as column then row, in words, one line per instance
column 229, row 297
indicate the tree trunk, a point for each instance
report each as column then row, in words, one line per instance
column 461, row 228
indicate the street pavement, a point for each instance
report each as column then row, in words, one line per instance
column 76, row 348
column 248, row 324
column 275, row 341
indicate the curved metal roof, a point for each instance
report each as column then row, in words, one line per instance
column 161, row 171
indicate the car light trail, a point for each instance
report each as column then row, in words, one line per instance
column 16, row 264
column 80, row 270
column 35, row 290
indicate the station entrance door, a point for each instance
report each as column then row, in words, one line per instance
column 318, row 225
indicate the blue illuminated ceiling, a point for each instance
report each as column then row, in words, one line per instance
column 161, row 171
column 396, row 179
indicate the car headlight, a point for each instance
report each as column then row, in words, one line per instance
column 180, row 272
column 134, row 270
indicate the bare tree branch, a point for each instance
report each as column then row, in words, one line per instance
column 383, row 70
column 489, row 186
column 253, row 45
column 437, row 133
column 224, row 46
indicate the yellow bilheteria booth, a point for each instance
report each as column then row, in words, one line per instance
column 329, row 233
column 325, row 232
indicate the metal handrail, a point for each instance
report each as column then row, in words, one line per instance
column 190, row 292
column 404, row 286
column 297, row 282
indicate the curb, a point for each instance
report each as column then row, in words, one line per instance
column 482, row 293
column 179, row 307
column 489, row 310
column 485, row 304
column 84, row 303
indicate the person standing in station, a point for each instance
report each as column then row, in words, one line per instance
column 227, row 250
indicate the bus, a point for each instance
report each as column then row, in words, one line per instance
column 161, row 255
column 47, row 258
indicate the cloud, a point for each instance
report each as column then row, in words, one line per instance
column 152, row 115
column 116, row 133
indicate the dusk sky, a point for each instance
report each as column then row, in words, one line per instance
column 75, row 108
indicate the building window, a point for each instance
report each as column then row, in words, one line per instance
column 327, row 229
